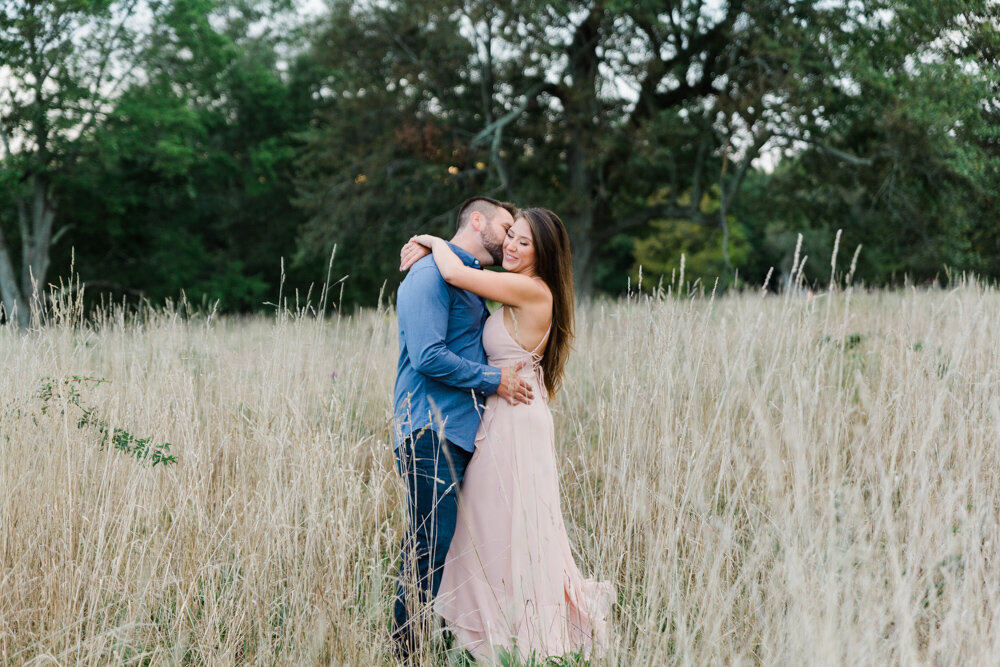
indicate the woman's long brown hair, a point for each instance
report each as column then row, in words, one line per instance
column 554, row 265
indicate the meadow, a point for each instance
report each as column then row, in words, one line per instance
column 768, row 479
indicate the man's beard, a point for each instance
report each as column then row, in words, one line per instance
column 494, row 248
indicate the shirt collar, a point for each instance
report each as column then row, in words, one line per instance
column 467, row 257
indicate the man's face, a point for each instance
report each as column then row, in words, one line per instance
column 493, row 233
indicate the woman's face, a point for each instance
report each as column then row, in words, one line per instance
column 519, row 249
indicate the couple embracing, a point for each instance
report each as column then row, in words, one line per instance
column 486, row 543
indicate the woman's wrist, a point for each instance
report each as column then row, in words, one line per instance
column 426, row 240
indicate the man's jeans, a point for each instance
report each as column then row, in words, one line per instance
column 433, row 469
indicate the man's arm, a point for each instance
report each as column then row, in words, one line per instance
column 422, row 307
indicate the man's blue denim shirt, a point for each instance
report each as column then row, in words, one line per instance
column 442, row 377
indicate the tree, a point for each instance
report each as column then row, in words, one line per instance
column 182, row 179
column 585, row 107
column 707, row 257
column 65, row 61
column 904, row 157
column 388, row 154
column 193, row 165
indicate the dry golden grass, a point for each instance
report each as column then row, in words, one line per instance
column 767, row 480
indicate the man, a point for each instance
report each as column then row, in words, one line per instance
column 441, row 381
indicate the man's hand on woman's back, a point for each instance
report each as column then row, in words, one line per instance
column 512, row 388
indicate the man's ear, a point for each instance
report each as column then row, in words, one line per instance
column 476, row 220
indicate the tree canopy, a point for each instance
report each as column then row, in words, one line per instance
column 196, row 145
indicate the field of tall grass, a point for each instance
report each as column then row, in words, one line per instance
column 767, row 479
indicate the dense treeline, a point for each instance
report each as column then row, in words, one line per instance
column 171, row 145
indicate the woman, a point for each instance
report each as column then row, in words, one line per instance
column 510, row 582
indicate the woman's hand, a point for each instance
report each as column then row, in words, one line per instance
column 413, row 251
column 426, row 240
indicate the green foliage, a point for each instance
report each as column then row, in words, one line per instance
column 659, row 253
column 848, row 98
column 513, row 658
column 906, row 162
column 250, row 138
column 140, row 448
column 64, row 393
column 527, row 106
column 388, row 156
column 188, row 180
column 64, row 63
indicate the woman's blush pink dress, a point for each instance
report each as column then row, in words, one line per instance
column 509, row 579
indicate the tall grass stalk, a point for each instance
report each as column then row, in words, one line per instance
column 766, row 479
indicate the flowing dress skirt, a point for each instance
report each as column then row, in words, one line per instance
column 510, row 579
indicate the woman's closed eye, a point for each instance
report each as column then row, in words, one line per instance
column 523, row 242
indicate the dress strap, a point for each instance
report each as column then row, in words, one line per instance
column 516, row 338
column 544, row 340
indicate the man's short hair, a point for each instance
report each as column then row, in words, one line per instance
column 486, row 206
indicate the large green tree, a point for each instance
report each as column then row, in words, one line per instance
column 389, row 154
column 168, row 151
column 624, row 117
column 182, row 177
column 904, row 157
column 193, row 166
column 589, row 108
column 64, row 63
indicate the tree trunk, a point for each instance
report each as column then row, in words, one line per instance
column 35, row 262
column 580, row 215
column 14, row 307
column 584, row 268
column 36, row 217
column 580, row 101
